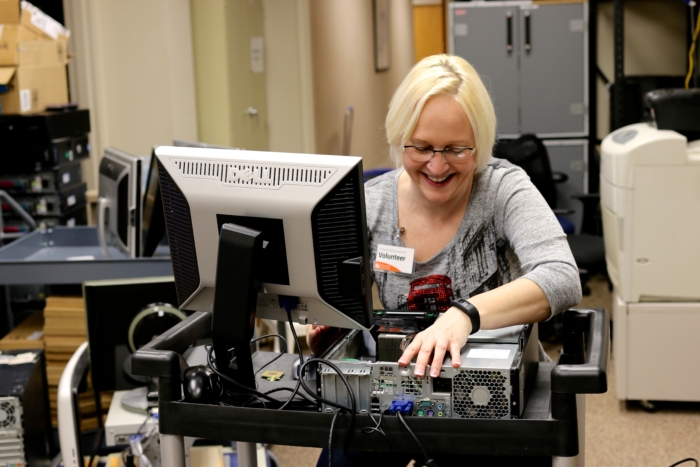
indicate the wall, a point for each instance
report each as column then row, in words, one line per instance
column 211, row 70
column 289, row 73
column 231, row 94
column 133, row 70
column 344, row 75
column 655, row 44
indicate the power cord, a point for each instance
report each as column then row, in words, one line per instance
column 428, row 461
column 330, row 439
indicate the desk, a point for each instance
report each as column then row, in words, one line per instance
column 551, row 425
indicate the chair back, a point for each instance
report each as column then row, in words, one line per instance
column 529, row 153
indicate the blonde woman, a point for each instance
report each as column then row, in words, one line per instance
column 486, row 245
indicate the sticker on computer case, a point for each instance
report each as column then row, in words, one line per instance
column 499, row 354
column 394, row 259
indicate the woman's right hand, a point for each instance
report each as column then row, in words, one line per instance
column 320, row 337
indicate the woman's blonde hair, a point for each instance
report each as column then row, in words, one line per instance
column 434, row 76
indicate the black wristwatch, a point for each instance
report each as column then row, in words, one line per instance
column 470, row 310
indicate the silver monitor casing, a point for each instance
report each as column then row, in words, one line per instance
column 250, row 187
column 117, row 165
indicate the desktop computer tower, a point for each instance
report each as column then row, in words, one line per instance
column 493, row 382
column 25, row 420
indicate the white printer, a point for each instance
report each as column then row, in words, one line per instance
column 650, row 196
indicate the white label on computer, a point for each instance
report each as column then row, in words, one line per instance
column 394, row 259
column 500, row 354
column 66, row 178
column 71, row 200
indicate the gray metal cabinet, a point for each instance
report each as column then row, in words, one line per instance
column 571, row 158
column 533, row 60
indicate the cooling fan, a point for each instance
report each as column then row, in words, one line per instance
column 10, row 413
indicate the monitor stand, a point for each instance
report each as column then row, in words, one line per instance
column 235, row 301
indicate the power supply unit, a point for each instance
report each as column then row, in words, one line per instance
column 25, row 419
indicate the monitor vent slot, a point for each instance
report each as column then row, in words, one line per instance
column 253, row 175
column 480, row 394
column 337, row 224
column 180, row 237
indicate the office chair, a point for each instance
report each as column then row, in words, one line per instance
column 587, row 246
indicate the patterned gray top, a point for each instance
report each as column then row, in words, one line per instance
column 508, row 231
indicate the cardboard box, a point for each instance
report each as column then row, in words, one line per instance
column 42, row 24
column 30, row 89
column 9, row 12
column 31, row 17
column 21, row 47
column 28, row 335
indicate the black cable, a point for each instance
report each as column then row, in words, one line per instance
column 428, row 460
column 282, row 351
column 126, row 462
column 689, row 459
column 368, row 430
column 340, row 375
column 284, row 341
column 351, row 394
column 248, row 402
column 305, row 397
column 98, row 439
column 96, row 445
column 246, row 390
column 301, row 360
column 330, row 439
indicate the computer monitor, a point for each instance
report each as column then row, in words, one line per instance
column 306, row 212
column 153, row 221
column 119, row 202
column 181, row 143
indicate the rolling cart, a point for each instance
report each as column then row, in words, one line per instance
column 72, row 255
column 550, row 432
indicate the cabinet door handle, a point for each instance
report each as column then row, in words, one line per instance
column 528, row 45
column 509, row 31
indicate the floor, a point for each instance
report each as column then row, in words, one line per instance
column 618, row 433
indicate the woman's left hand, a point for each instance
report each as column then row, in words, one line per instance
column 448, row 333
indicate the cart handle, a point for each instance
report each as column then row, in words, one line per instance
column 590, row 377
column 162, row 356
column 18, row 209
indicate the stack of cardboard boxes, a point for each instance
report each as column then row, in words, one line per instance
column 33, row 58
column 65, row 329
column 59, row 329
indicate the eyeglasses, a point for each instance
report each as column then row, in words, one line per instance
column 426, row 153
